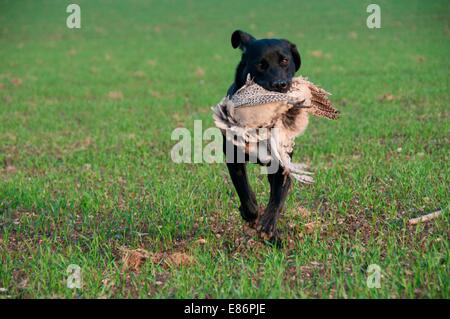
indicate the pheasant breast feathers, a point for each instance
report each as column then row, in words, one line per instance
column 253, row 107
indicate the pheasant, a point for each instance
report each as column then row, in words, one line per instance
column 264, row 123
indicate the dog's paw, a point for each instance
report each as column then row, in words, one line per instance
column 266, row 223
column 271, row 238
column 266, row 230
column 265, row 235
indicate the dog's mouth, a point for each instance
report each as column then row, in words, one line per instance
column 280, row 88
column 283, row 89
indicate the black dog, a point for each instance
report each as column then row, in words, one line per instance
column 271, row 63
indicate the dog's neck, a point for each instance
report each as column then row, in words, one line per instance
column 240, row 77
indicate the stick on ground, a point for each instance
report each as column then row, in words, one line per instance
column 425, row 218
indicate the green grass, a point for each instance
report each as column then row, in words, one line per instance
column 83, row 175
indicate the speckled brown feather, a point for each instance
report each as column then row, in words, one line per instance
column 254, row 107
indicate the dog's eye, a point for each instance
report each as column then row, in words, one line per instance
column 262, row 65
column 284, row 62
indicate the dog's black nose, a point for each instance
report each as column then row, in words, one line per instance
column 280, row 86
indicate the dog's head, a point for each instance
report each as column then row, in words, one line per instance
column 270, row 62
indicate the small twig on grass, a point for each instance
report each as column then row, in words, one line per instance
column 425, row 218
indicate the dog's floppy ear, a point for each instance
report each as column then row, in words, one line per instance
column 241, row 39
column 295, row 55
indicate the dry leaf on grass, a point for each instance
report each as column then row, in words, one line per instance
column 23, row 284
column 304, row 212
column 115, row 95
column 155, row 94
column 419, row 58
column 72, row 52
column 201, row 241
column 179, row 259
column 139, row 74
column 353, row 35
column 387, row 97
column 248, row 230
column 317, row 54
column 10, row 169
column 16, row 81
column 200, row 72
column 7, row 99
column 82, row 145
column 133, row 258
column 310, row 227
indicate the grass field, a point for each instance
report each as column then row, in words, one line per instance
column 86, row 177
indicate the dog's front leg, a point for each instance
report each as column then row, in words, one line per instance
column 279, row 189
column 238, row 174
column 249, row 206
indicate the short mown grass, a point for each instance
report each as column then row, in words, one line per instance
column 86, row 118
